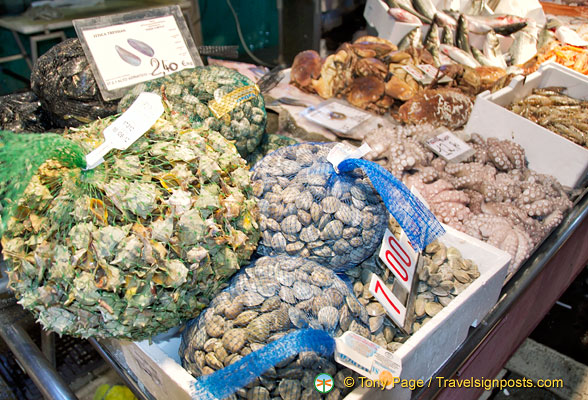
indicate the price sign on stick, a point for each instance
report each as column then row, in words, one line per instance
column 403, row 261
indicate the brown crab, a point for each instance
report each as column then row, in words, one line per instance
column 371, row 66
column 336, row 74
column 369, row 93
column 372, row 46
column 306, row 67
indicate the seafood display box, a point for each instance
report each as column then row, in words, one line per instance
column 376, row 14
column 157, row 364
column 547, row 152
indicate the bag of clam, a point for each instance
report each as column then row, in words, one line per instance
column 215, row 97
column 317, row 204
column 134, row 246
column 271, row 332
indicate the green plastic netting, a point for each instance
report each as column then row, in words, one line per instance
column 133, row 247
column 201, row 92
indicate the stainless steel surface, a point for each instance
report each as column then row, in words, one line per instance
column 35, row 364
column 510, row 292
column 48, row 346
column 118, row 364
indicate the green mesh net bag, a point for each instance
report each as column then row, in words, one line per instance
column 215, row 97
column 134, row 246
column 269, row 142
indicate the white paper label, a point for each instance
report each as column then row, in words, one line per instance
column 342, row 151
column 368, row 359
column 400, row 258
column 127, row 54
column 129, row 127
column 336, row 116
column 431, row 71
column 416, row 73
column 450, row 147
column 393, row 306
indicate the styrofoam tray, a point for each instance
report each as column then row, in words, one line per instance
column 376, row 14
column 546, row 151
column 157, row 365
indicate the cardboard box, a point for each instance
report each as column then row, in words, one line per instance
column 157, row 365
column 546, row 151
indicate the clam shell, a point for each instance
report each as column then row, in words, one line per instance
column 302, row 290
column 432, row 308
column 215, row 327
column 298, row 318
column 328, row 317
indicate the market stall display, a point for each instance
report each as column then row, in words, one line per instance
column 556, row 111
column 134, row 246
column 215, row 97
column 491, row 196
column 64, row 82
column 151, row 238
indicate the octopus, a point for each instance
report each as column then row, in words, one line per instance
column 505, row 154
column 499, row 232
column 395, row 149
column 492, row 196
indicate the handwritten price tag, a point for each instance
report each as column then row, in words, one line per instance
column 400, row 258
column 417, row 74
column 129, row 127
column 393, row 306
column 450, row 147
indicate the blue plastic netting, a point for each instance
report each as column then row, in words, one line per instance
column 336, row 219
column 225, row 382
column 246, row 331
column 417, row 221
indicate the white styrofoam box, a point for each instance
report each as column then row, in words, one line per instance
column 428, row 348
column 376, row 14
column 546, row 151
column 157, row 365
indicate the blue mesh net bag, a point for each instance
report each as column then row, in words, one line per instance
column 334, row 218
column 271, row 332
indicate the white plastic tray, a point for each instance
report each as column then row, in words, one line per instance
column 157, row 365
column 547, row 152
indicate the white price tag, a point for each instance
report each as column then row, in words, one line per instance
column 336, row 116
column 417, row 74
column 432, row 71
column 450, row 147
column 342, row 151
column 400, row 258
column 368, row 359
column 129, row 127
column 393, row 306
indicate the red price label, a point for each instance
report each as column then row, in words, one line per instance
column 393, row 306
column 399, row 257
